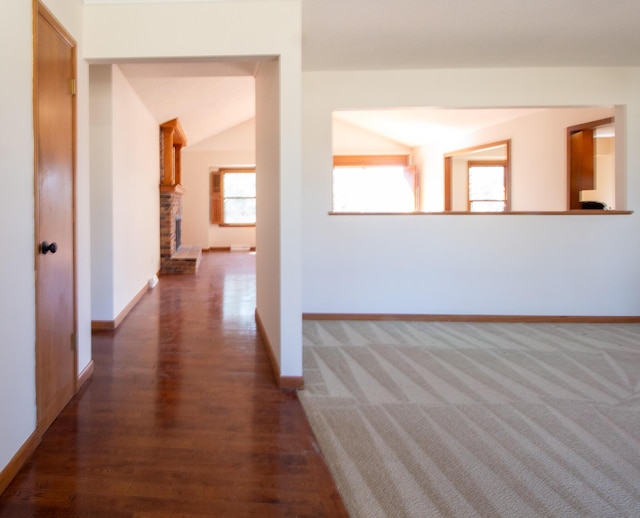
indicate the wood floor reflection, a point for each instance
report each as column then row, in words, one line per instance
column 181, row 417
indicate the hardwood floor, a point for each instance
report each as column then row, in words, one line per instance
column 182, row 417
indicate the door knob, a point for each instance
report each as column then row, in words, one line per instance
column 48, row 247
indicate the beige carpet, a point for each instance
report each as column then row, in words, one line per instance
column 457, row 419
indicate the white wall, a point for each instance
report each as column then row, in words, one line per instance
column 101, row 138
column 17, row 301
column 459, row 185
column 125, row 204
column 136, row 198
column 467, row 264
column 278, row 209
column 17, row 298
column 268, row 214
column 539, row 154
column 538, row 159
column 235, row 147
column 352, row 140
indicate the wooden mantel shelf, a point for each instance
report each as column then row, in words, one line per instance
column 177, row 189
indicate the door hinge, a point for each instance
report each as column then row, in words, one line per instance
column 74, row 341
column 73, row 86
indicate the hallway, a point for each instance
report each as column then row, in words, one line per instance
column 182, row 417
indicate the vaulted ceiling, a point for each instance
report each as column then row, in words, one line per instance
column 394, row 34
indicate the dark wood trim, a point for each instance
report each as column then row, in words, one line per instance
column 18, row 460
column 592, row 124
column 84, row 376
column 447, row 183
column 291, row 382
column 275, row 366
column 284, row 382
column 579, row 212
column 111, row 325
column 507, row 173
column 573, row 319
column 103, row 325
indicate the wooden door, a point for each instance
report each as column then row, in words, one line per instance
column 581, row 174
column 54, row 117
column 581, row 165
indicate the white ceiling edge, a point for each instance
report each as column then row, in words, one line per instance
column 190, row 68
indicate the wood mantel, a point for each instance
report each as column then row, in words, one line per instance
column 173, row 139
column 172, row 188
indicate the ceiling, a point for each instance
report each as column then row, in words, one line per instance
column 208, row 98
column 391, row 34
column 379, row 34
column 415, row 126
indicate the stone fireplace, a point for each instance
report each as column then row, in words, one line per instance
column 178, row 232
column 175, row 257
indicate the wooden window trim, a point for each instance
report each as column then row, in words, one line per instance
column 216, row 196
column 479, row 147
column 507, row 180
column 448, row 171
column 370, row 160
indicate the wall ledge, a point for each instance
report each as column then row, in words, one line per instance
column 499, row 214
column 552, row 319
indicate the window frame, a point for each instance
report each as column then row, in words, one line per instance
column 506, row 182
column 461, row 154
column 377, row 161
column 217, row 197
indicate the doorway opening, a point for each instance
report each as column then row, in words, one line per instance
column 591, row 165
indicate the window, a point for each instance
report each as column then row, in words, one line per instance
column 373, row 184
column 487, row 187
column 233, row 197
column 477, row 179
